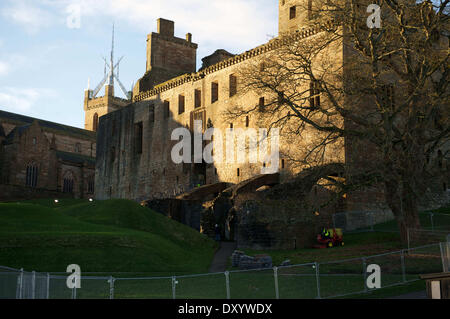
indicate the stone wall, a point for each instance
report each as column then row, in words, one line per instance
column 9, row 193
column 54, row 151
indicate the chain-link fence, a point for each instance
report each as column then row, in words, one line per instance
column 313, row 280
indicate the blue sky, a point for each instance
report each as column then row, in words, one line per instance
column 46, row 60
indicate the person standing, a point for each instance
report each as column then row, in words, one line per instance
column 217, row 232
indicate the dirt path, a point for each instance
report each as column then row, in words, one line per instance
column 219, row 263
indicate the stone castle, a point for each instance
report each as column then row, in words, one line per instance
column 134, row 142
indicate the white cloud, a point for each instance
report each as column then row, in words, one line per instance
column 4, row 68
column 27, row 15
column 232, row 24
column 21, row 100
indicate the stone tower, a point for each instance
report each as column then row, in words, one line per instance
column 94, row 108
column 167, row 56
column 293, row 14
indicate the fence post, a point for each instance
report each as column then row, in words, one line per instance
column 227, row 283
column 316, row 265
column 111, row 287
column 48, row 286
column 403, row 265
column 174, row 289
column 275, row 275
column 20, row 285
column 448, row 255
column 33, row 285
column 444, row 257
column 364, row 273
column 371, row 221
column 407, row 235
column 74, row 293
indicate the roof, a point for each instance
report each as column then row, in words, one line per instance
column 18, row 130
column 75, row 158
column 21, row 120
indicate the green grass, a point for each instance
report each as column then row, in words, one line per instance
column 102, row 236
column 117, row 236
column 393, row 291
column 356, row 245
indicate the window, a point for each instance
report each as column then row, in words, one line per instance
column 238, row 172
column 113, row 154
column 95, row 122
column 280, row 98
column 387, row 95
column 440, row 159
column 78, row 148
column 166, row 109
column 247, row 121
column 214, row 92
column 68, row 182
column 314, row 94
column 309, row 9
column 197, row 98
column 91, row 185
column 34, row 141
column 233, row 85
column 138, row 132
column 151, row 116
column 114, row 127
column 292, row 12
column 32, row 175
column 262, row 102
column 181, row 101
column 231, row 125
column 282, row 164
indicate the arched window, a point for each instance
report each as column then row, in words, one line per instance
column 32, row 175
column 95, row 122
column 91, row 185
column 440, row 159
column 68, row 182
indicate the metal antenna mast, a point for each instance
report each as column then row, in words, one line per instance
column 111, row 75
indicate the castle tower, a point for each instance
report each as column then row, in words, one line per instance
column 167, row 56
column 293, row 14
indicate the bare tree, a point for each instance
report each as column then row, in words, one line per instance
column 383, row 92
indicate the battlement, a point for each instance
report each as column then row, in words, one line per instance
column 269, row 46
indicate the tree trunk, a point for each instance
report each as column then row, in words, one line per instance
column 404, row 206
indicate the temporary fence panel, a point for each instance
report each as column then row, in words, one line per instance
column 422, row 260
column 298, row 282
column 340, row 278
column 253, row 284
column 391, row 269
column 209, row 286
column 143, row 288
column 9, row 283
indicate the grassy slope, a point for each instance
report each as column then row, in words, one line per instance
column 107, row 236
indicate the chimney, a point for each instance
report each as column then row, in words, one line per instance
column 166, row 27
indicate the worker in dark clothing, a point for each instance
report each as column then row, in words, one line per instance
column 217, row 231
column 325, row 233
